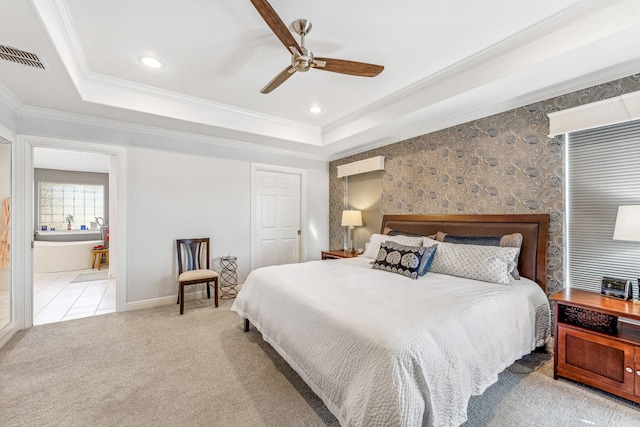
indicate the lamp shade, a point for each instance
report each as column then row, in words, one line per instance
column 351, row 218
column 627, row 223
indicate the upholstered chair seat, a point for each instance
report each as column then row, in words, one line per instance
column 197, row 275
column 193, row 267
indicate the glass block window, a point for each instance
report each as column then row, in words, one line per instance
column 58, row 200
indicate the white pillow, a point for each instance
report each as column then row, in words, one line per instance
column 487, row 263
column 376, row 239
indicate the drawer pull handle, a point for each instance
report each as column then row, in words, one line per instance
column 628, row 369
column 638, row 372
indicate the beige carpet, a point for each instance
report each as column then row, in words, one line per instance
column 157, row 368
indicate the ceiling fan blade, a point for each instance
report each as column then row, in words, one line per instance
column 348, row 67
column 275, row 23
column 279, row 79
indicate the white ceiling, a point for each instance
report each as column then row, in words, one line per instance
column 445, row 63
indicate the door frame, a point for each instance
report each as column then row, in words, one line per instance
column 25, row 211
column 262, row 167
column 14, row 323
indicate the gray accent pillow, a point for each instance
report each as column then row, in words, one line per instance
column 486, row 263
column 506, row 241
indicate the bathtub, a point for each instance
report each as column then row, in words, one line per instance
column 53, row 257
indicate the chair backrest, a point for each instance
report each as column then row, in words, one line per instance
column 193, row 254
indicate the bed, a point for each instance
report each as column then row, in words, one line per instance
column 381, row 349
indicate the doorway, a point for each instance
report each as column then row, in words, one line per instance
column 25, row 208
column 278, row 211
column 71, row 219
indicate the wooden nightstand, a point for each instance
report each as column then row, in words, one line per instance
column 338, row 253
column 609, row 361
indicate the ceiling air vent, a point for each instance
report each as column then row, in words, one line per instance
column 20, row 56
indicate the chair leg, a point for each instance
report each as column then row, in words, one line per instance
column 181, row 298
column 208, row 290
column 215, row 290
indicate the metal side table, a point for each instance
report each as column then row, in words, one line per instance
column 228, row 277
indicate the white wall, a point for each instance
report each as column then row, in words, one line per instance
column 188, row 187
column 173, row 195
column 177, row 195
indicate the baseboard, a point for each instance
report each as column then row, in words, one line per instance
column 157, row 302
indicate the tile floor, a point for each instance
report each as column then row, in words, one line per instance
column 57, row 299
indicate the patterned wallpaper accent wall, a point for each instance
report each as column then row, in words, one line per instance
column 500, row 164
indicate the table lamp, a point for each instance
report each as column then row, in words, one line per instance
column 628, row 228
column 351, row 219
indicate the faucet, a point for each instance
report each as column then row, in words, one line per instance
column 103, row 230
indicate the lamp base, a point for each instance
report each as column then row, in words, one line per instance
column 350, row 239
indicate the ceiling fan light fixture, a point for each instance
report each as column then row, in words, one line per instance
column 315, row 109
column 151, row 62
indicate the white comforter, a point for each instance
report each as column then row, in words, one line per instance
column 384, row 350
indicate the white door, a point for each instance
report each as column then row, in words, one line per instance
column 276, row 218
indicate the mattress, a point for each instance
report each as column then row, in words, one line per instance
column 381, row 349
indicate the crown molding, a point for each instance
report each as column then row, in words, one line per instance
column 43, row 113
column 499, row 61
column 56, row 18
column 546, row 94
column 110, row 91
column 474, row 71
column 113, row 83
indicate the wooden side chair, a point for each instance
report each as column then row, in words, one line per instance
column 193, row 267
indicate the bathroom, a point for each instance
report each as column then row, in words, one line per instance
column 71, row 217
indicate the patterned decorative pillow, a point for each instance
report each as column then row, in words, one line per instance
column 376, row 239
column 506, row 241
column 487, row 263
column 401, row 259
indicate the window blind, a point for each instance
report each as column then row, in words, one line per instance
column 603, row 173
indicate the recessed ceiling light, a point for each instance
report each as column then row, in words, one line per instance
column 151, row 62
column 315, row 109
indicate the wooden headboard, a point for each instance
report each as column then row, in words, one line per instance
column 533, row 227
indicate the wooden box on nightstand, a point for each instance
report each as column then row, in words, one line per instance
column 338, row 253
column 607, row 360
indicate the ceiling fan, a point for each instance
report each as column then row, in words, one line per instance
column 302, row 59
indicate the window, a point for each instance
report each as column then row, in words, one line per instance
column 603, row 173
column 58, row 200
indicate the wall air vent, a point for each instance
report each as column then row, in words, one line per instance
column 20, row 56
